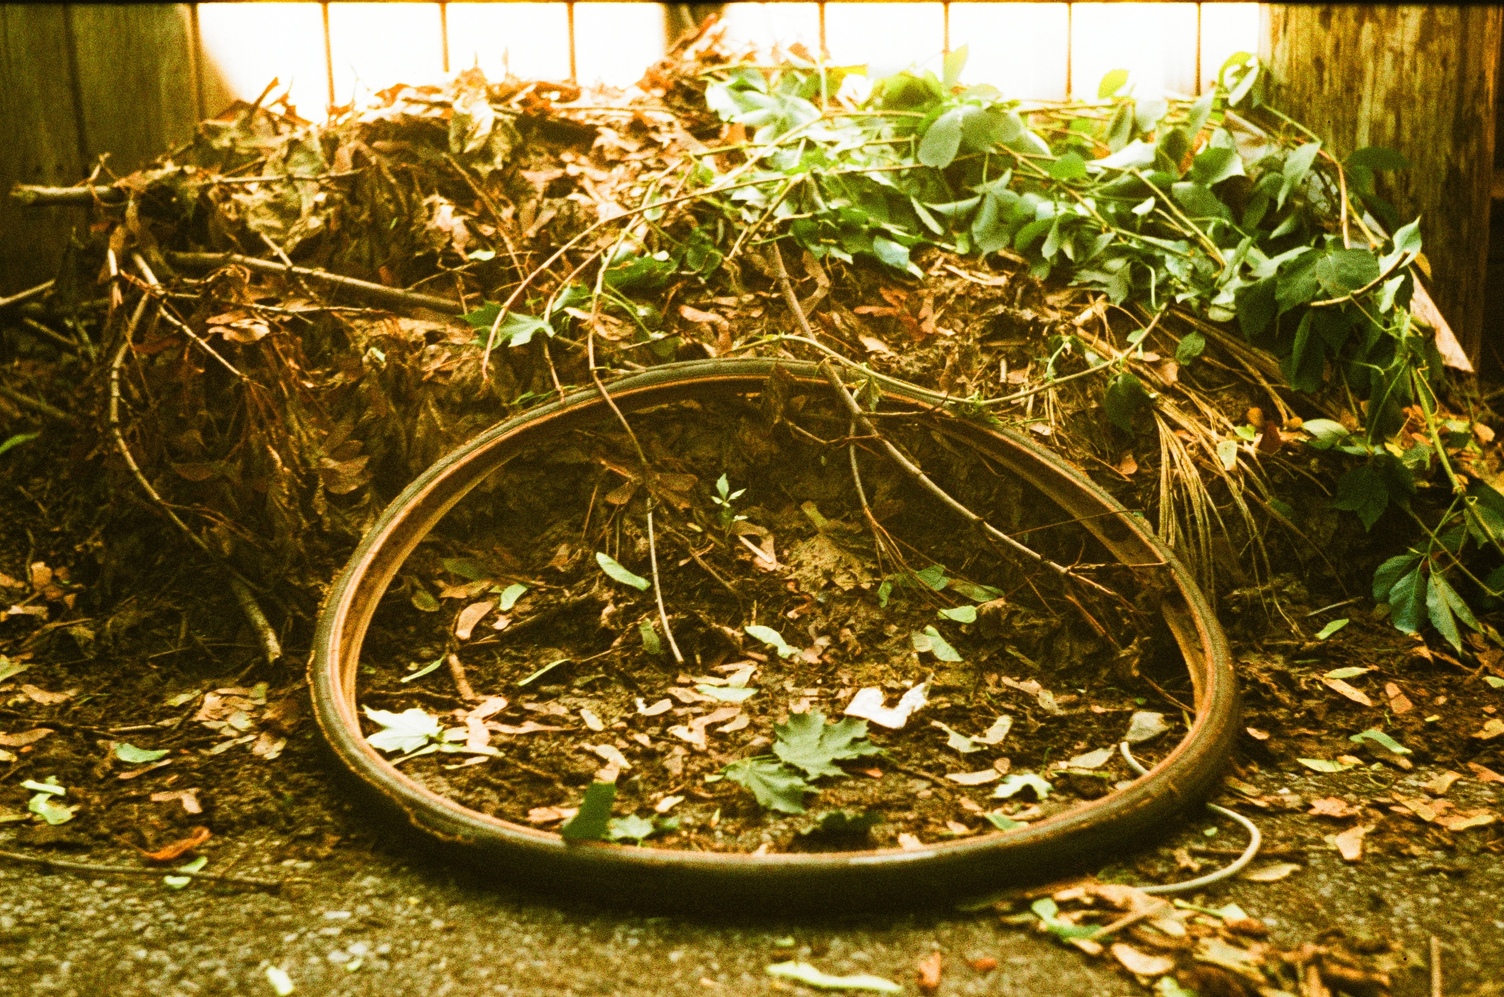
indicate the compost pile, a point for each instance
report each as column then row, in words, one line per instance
column 267, row 334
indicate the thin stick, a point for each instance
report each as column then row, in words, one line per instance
column 182, row 326
column 1128, row 920
column 376, row 292
column 21, row 297
column 657, row 588
column 35, row 404
column 57, row 337
column 461, row 681
column 271, row 647
column 129, row 870
column 41, row 196
column 1435, row 967
column 913, row 470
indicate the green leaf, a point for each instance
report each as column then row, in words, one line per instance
column 423, row 600
column 1256, row 305
column 803, row 972
column 1214, row 164
column 47, row 808
column 629, row 828
column 1343, row 271
column 934, row 577
column 427, row 669
column 593, row 819
column 510, row 595
column 1048, row 913
column 1191, row 346
column 1406, row 601
column 1361, row 490
column 957, row 741
column 1324, row 765
column 132, row 755
column 772, row 638
column 649, row 634
column 808, row 743
column 931, row 641
column 894, row 254
column 1325, row 433
column 1124, row 397
column 178, row 882
column 1014, row 783
column 613, row 568
column 1389, row 573
column 954, row 62
column 1198, row 200
column 776, row 786
column 1069, row 166
column 942, row 140
column 516, row 329
column 1331, row 628
column 1376, row 157
column 11, row 442
column 1111, row 83
column 1200, row 111
column 1444, row 606
column 1002, row 821
column 961, row 614
column 1382, row 739
column 973, row 591
column 406, row 731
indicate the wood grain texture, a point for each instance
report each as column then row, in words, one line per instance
column 39, row 125
column 1419, row 79
column 137, row 79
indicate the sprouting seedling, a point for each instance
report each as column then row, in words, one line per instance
column 725, row 497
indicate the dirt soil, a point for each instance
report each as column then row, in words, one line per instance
column 365, row 912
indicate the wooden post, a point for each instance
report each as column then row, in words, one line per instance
column 1420, row 80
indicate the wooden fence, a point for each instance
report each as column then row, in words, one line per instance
column 78, row 82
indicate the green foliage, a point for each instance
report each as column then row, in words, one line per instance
column 594, row 817
column 808, row 743
column 776, row 786
column 613, row 569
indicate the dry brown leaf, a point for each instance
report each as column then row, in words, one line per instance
column 1350, row 842
column 1270, row 873
column 268, row 746
column 550, row 815
column 910, row 842
column 526, row 727
column 1443, row 782
column 470, row 616
column 974, row 778
column 23, row 739
column 929, row 973
column 44, row 698
column 1332, row 806
column 179, row 848
column 1490, row 730
column 1141, row 963
column 1398, row 701
column 1344, row 689
column 1484, row 773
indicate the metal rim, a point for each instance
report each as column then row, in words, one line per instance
column 937, row 872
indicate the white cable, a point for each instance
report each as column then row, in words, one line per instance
column 1255, row 840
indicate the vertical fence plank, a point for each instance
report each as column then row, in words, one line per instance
column 375, row 45
column 138, row 94
column 1226, row 28
column 529, row 39
column 766, row 25
column 247, row 45
column 37, row 104
column 1020, row 48
column 615, row 42
column 886, row 36
column 1155, row 42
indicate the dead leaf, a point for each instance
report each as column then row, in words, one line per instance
column 873, row 345
column 179, row 848
column 910, row 842
column 1128, row 466
column 40, row 575
column 550, row 815
column 1342, row 688
column 984, row 964
column 662, row 706
column 1490, row 730
column 487, row 708
column 1439, row 785
column 1350, row 842
column 1484, row 773
column 470, row 616
column 1141, row 963
column 23, row 739
column 1466, row 822
column 1398, row 701
column 1270, row 873
column 929, row 973
column 187, row 797
column 974, row 778
column 1332, row 806
column 268, row 746
column 133, row 773
column 44, row 698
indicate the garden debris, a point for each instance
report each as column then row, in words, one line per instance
column 177, row 849
column 929, row 973
column 803, row 972
column 868, row 705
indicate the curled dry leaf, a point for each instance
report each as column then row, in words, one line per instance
column 1141, row 963
column 868, row 705
column 1270, row 873
column 470, row 616
column 24, row 738
column 181, row 847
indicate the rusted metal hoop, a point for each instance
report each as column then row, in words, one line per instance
column 824, row 880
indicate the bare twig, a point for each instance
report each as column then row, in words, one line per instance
column 156, row 288
column 1435, row 967
column 658, row 588
column 35, row 404
column 96, row 869
column 47, row 332
column 913, row 470
column 21, row 297
column 271, row 647
column 461, row 681
column 376, row 292
column 36, row 195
